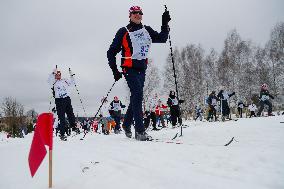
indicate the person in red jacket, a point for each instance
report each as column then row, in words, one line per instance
column 134, row 41
column 160, row 108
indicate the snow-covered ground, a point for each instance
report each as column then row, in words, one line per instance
column 254, row 160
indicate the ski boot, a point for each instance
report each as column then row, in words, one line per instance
column 155, row 129
column 127, row 131
column 76, row 130
column 143, row 136
column 128, row 134
column 116, row 131
column 63, row 137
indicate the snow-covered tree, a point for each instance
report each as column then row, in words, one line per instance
column 152, row 82
column 275, row 49
column 13, row 113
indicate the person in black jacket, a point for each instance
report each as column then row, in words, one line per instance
column 264, row 100
column 134, row 42
column 173, row 103
column 212, row 104
column 224, row 97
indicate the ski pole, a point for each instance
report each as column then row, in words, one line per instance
column 174, row 69
column 52, row 93
column 105, row 99
column 72, row 75
column 101, row 106
column 49, row 104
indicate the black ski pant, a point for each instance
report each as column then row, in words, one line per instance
column 212, row 112
column 225, row 108
column 240, row 110
column 175, row 113
column 262, row 103
column 252, row 114
column 147, row 120
column 56, row 131
column 135, row 80
column 117, row 122
column 154, row 119
column 63, row 105
column 174, row 120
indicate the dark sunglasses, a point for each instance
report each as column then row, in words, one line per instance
column 137, row 12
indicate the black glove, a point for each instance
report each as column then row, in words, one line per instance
column 166, row 18
column 233, row 93
column 53, row 110
column 272, row 97
column 116, row 74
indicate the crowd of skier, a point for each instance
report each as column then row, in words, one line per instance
column 157, row 114
column 221, row 100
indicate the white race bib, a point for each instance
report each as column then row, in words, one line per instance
column 225, row 96
column 116, row 106
column 264, row 98
column 141, row 42
column 60, row 88
column 174, row 101
column 214, row 101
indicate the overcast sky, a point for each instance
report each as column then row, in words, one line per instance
column 36, row 35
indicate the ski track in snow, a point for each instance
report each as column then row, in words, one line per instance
column 253, row 160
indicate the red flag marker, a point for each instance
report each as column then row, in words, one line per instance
column 42, row 136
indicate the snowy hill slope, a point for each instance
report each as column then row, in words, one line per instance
column 253, row 160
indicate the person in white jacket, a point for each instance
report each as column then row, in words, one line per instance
column 252, row 108
column 63, row 104
column 104, row 115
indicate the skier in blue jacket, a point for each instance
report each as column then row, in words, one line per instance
column 134, row 42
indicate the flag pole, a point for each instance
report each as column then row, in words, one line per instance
column 50, row 170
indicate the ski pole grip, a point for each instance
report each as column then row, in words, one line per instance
column 166, row 7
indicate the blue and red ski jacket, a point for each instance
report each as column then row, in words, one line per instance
column 122, row 42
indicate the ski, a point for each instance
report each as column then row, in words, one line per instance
column 166, row 141
column 229, row 142
column 184, row 126
column 87, row 167
column 175, row 136
column 83, row 136
column 230, row 120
